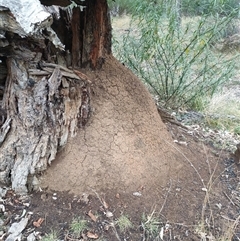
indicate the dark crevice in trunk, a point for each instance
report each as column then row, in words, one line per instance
column 3, row 76
column 76, row 50
column 62, row 3
column 86, row 34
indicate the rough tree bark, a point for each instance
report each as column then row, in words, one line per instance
column 44, row 95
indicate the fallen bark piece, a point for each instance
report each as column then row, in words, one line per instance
column 92, row 235
column 92, row 216
column 105, row 205
column 38, row 223
column 16, row 229
column 23, row 10
column 4, row 130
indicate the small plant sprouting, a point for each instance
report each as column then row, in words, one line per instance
column 150, row 225
column 124, row 223
column 52, row 236
column 77, row 226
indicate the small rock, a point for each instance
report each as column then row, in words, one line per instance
column 26, row 204
column 31, row 237
column 1, row 222
column 3, row 192
column 219, row 205
column 109, row 214
column 137, row 194
column 2, row 208
column 54, row 196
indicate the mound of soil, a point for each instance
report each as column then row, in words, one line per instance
column 124, row 146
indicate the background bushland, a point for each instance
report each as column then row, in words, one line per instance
column 177, row 47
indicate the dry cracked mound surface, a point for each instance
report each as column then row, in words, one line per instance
column 124, row 146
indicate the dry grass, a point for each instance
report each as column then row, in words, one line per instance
column 223, row 110
column 228, row 102
column 121, row 23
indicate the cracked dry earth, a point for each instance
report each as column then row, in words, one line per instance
column 124, row 146
column 127, row 162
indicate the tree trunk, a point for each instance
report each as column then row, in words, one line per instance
column 46, row 100
column 44, row 96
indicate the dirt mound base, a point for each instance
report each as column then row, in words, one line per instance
column 124, row 145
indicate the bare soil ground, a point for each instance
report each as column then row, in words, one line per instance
column 182, row 209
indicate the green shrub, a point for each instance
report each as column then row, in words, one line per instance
column 176, row 56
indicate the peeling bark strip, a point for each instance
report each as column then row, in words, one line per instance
column 4, row 130
column 44, row 114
